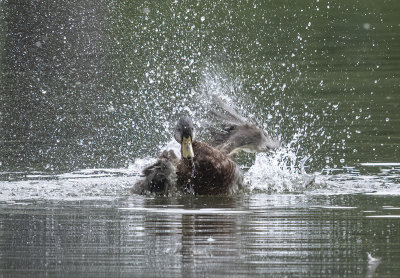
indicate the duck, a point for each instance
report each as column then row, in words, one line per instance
column 205, row 168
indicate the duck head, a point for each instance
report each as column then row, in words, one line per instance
column 184, row 134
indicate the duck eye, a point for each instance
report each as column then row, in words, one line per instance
column 230, row 128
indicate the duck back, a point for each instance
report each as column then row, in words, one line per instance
column 210, row 173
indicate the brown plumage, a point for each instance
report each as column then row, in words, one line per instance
column 210, row 172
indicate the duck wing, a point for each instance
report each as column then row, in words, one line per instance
column 233, row 132
column 158, row 177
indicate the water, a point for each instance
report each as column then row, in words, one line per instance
column 89, row 96
column 255, row 235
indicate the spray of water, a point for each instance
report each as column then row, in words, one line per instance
column 281, row 171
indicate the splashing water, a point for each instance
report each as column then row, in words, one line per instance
column 281, row 171
column 277, row 172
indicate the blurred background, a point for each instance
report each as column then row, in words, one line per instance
column 87, row 84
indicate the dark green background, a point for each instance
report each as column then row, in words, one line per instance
column 97, row 84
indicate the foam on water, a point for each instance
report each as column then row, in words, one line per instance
column 274, row 173
column 85, row 184
column 285, row 171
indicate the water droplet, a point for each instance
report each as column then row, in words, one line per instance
column 146, row 11
column 111, row 109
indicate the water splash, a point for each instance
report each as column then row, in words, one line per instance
column 281, row 171
column 278, row 172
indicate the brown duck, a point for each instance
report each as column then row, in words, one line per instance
column 205, row 169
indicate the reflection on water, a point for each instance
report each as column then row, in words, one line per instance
column 257, row 235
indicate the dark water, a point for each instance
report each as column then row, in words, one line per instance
column 259, row 235
column 90, row 91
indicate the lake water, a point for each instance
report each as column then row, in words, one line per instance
column 90, row 92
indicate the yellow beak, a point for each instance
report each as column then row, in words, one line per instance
column 186, row 148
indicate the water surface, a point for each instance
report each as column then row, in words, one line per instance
column 257, row 235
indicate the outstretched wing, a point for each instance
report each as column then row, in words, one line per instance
column 232, row 132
